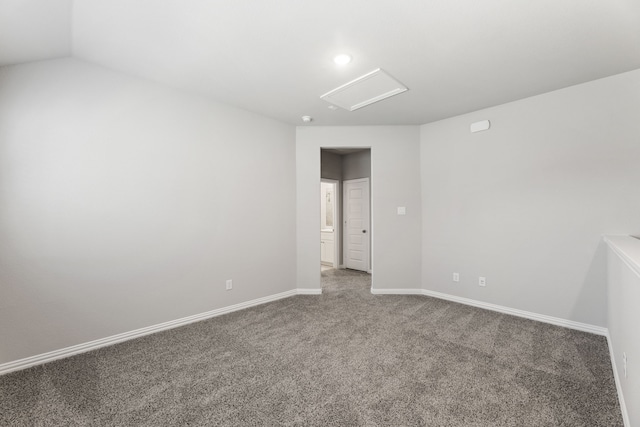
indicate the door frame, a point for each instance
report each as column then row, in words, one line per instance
column 337, row 221
column 345, row 236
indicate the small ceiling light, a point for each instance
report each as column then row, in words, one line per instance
column 333, row 107
column 306, row 119
column 342, row 59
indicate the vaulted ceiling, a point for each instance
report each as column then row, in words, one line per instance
column 274, row 57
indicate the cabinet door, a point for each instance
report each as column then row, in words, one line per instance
column 329, row 251
column 323, row 251
column 327, row 247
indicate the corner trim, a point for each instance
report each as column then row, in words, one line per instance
column 50, row 356
column 623, row 406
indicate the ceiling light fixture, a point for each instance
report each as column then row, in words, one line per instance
column 306, row 119
column 342, row 59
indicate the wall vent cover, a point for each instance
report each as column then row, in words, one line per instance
column 372, row 87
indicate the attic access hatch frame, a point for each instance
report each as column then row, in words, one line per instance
column 365, row 90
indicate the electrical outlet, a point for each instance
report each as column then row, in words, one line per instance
column 229, row 284
column 624, row 363
column 456, row 277
column 482, row 281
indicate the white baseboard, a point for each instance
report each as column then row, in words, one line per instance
column 585, row 327
column 114, row 339
column 40, row 359
column 623, row 406
column 308, row 291
column 396, row 291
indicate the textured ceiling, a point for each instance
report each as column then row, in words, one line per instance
column 274, row 57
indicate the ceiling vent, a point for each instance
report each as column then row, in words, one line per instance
column 372, row 87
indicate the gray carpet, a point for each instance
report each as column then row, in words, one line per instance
column 345, row 358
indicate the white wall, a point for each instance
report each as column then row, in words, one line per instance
column 624, row 317
column 32, row 30
column 124, row 204
column 526, row 203
column 395, row 181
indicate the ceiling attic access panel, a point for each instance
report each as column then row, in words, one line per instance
column 365, row 90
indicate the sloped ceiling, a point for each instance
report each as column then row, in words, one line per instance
column 34, row 30
column 274, row 57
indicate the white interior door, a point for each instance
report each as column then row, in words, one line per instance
column 356, row 224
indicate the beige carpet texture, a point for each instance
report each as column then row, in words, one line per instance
column 343, row 358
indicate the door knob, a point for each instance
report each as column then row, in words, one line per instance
column 364, row 231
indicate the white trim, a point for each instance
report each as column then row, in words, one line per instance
column 623, row 406
column 50, row 356
column 396, row 291
column 585, row 327
column 629, row 258
column 308, row 291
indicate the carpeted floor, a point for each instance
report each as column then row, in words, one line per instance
column 345, row 358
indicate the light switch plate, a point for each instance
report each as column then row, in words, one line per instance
column 402, row 210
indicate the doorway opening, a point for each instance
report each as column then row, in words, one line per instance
column 329, row 224
column 345, row 209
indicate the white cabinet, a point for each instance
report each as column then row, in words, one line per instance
column 327, row 247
